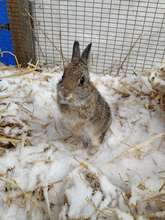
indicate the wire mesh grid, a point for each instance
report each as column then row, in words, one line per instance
column 125, row 34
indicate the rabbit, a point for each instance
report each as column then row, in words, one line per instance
column 86, row 112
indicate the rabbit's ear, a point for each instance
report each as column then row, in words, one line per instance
column 76, row 52
column 85, row 54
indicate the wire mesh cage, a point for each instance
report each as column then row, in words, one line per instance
column 125, row 34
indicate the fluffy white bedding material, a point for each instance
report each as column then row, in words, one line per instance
column 44, row 177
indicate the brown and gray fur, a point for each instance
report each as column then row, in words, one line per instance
column 86, row 112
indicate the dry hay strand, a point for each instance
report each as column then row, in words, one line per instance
column 2, row 68
column 159, row 97
column 156, row 216
column 31, row 68
column 157, row 80
column 5, row 96
column 130, row 89
column 139, row 149
column 24, row 198
column 152, row 207
column 19, row 74
column 12, row 132
column 162, row 101
column 156, row 198
column 105, row 213
column 131, row 208
column 93, row 181
column 38, row 190
column 9, row 139
column 162, row 187
column 2, row 152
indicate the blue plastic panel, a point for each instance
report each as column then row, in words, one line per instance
column 6, row 45
column 3, row 12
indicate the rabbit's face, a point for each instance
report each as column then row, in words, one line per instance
column 74, row 87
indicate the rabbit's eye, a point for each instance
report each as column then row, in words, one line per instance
column 82, row 80
column 61, row 80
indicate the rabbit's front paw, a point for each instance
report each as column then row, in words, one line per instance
column 92, row 150
column 90, row 144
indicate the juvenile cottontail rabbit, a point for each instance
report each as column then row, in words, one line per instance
column 85, row 110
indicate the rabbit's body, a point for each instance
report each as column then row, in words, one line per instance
column 86, row 113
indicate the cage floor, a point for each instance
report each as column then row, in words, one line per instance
column 43, row 177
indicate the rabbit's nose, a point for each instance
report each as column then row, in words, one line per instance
column 65, row 92
column 67, row 95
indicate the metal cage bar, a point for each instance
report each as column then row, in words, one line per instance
column 113, row 26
